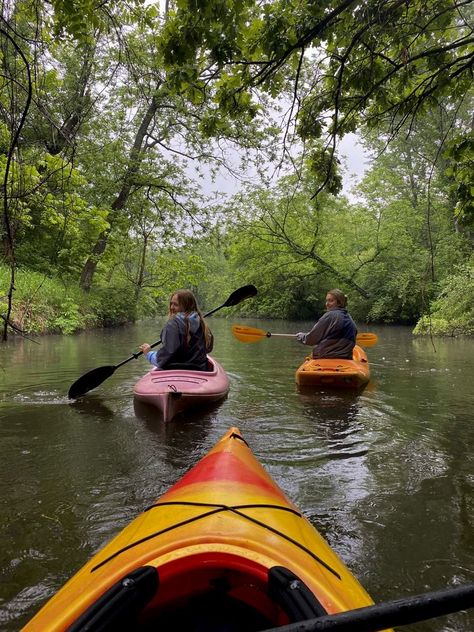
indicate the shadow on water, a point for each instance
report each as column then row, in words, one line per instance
column 93, row 406
column 154, row 420
column 329, row 407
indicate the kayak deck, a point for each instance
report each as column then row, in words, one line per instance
column 173, row 391
column 335, row 372
column 223, row 548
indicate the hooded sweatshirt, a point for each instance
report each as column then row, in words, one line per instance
column 176, row 349
column 333, row 335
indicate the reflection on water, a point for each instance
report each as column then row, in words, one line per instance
column 386, row 475
column 183, row 437
column 334, row 417
column 330, row 406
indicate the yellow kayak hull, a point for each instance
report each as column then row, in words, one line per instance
column 335, row 373
column 223, row 534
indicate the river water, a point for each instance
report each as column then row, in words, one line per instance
column 386, row 476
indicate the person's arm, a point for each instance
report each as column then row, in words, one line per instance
column 171, row 342
column 317, row 333
column 149, row 355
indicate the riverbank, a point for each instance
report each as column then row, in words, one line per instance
column 43, row 305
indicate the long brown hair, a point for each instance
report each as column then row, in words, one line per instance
column 187, row 304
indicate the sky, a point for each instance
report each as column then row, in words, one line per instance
column 355, row 163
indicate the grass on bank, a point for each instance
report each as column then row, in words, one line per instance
column 44, row 305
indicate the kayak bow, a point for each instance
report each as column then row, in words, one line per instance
column 222, row 546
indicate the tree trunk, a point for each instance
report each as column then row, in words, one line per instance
column 141, row 270
column 121, row 200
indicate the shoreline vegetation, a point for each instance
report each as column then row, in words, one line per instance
column 44, row 306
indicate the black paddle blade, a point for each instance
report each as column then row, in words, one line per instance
column 240, row 295
column 90, row 380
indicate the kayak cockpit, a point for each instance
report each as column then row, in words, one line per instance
column 211, row 597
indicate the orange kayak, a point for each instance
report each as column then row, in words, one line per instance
column 335, row 372
column 223, row 545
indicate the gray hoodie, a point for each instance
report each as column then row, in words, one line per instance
column 333, row 335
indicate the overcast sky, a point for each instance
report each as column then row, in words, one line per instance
column 357, row 162
column 353, row 158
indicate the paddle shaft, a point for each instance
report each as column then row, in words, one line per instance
column 139, row 353
column 359, row 338
column 252, row 334
column 389, row 614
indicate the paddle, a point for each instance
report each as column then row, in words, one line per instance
column 390, row 613
column 252, row 334
column 94, row 378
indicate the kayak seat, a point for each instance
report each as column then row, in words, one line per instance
column 229, row 607
column 117, row 609
column 213, row 611
column 293, row 595
column 184, row 366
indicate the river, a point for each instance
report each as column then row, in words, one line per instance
column 386, row 476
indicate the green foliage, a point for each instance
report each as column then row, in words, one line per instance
column 44, row 305
column 113, row 306
column 292, row 249
column 5, row 140
column 461, row 157
column 80, row 18
column 69, row 318
column 452, row 313
column 323, row 168
column 117, row 120
column 310, row 124
column 376, row 64
column 54, row 226
column 397, row 244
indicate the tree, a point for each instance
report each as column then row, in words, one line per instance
column 350, row 62
column 293, row 247
column 410, row 193
column 390, row 251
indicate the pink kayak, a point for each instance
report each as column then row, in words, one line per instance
column 176, row 390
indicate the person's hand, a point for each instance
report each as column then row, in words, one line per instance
column 300, row 336
column 145, row 347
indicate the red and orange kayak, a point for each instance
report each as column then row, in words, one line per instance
column 335, row 372
column 222, row 545
column 173, row 391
